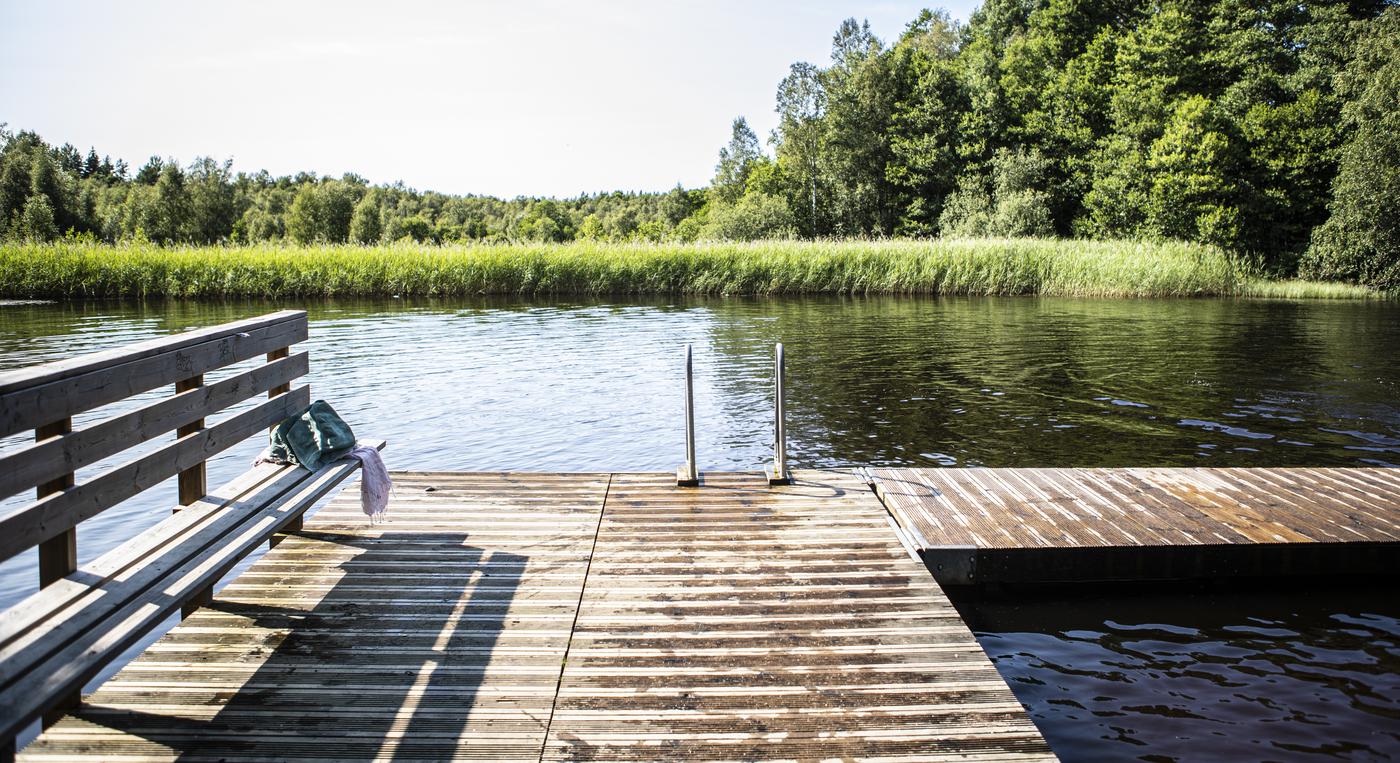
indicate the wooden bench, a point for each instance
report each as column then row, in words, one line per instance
column 58, row 639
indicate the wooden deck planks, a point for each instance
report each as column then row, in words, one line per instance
column 743, row 622
column 1044, row 525
column 438, row 635
column 733, row 621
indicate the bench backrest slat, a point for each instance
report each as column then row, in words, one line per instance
column 59, row 638
column 52, row 458
column 30, row 525
column 33, row 397
column 45, row 397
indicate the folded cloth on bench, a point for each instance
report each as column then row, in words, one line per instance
column 313, row 438
column 318, row 436
column 374, row 482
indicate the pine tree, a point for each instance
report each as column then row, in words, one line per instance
column 92, row 165
column 150, row 172
column 68, row 159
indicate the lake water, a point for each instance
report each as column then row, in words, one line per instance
column 537, row 385
column 1230, row 673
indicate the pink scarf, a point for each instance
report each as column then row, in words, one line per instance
column 374, row 482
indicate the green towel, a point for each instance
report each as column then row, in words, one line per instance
column 313, row 438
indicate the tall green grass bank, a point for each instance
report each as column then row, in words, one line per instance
column 999, row 266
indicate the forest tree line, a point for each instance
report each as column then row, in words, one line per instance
column 1269, row 128
column 47, row 192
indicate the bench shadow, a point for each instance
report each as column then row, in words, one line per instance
column 377, row 668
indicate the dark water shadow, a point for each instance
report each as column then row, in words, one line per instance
column 372, row 671
column 1205, row 670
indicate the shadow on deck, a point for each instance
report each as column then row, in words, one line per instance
column 570, row 617
column 369, row 671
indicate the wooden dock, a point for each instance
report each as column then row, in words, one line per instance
column 1059, row 525
column 569, row 617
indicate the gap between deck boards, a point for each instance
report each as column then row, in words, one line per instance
column 573, row 616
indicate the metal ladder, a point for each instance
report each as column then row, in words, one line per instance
column 688, row 475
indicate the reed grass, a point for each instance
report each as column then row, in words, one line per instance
column 1051, row 267
column 67, row 270
column 1272, row 289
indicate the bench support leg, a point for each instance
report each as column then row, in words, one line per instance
column 295, row 524
column 58, row 557
column 192, row 488
column 68, row 704
column 290, row 527
column 196, row 601
column 191, row 481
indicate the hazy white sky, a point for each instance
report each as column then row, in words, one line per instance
column 504, row 98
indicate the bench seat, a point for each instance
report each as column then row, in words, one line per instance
column 59, row 638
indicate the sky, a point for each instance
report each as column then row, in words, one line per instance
column 531, row 97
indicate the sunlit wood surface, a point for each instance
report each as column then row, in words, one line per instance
column 1160, row 521
column 569, row 617
column 742, row 622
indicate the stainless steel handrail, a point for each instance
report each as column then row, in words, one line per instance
column 689, row 475
column 780, row 475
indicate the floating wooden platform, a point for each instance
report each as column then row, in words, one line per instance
column 569, row 617
column 1048, row 525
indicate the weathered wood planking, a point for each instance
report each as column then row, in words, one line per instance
column 438, row 635
column 1046, row 525
column 82, row 618
column 35, row 396
column 27, row 526
column 56, row 640
column 742, row 622
column 55, row 455
column 733, row 621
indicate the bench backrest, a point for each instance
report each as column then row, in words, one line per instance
column 45, row 398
